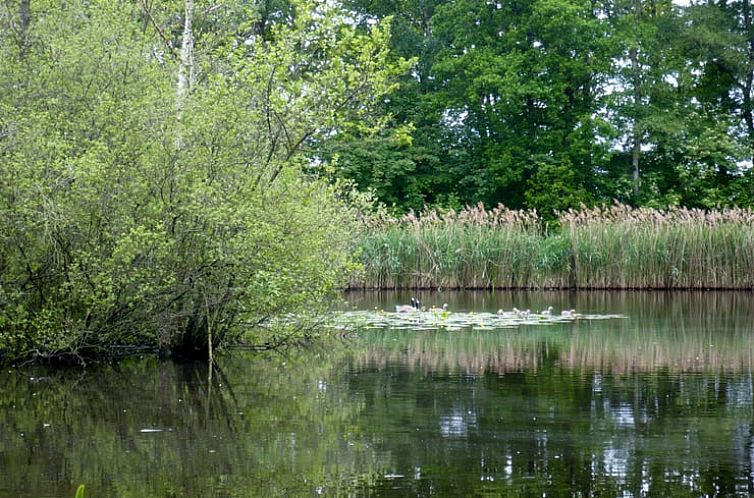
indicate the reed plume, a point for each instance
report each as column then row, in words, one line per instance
column 607, row 247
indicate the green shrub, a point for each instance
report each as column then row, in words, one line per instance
column 137, row 216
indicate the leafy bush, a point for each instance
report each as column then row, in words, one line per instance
column 140, row 215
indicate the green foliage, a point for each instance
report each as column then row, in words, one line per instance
column 133, row 218
column 497, row 90
column 80, row 492
column 554, row 187
column 509, row 98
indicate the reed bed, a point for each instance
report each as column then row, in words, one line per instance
column 616, row 247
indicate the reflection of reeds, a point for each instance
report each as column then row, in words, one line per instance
column 617, row 247
column 675, row 342
column 466, row 353
column 630, row 349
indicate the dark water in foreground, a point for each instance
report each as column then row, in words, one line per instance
column 658, row 404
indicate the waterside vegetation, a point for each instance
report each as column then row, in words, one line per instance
column 158, row 198
column 176, row 177
column 614, row 247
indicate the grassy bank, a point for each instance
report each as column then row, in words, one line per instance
column 615, row 247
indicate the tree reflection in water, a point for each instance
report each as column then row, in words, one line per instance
column 659, row 404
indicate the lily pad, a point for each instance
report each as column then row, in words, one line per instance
column 452, row 321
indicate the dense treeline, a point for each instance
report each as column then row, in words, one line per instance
column 151, row 184
column 549, row 103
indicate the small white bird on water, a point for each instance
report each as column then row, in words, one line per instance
column 522, row 313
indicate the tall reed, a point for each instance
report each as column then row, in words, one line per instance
column 623, row 247
column 616, row 247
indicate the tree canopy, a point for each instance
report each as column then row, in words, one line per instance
column 548, row 104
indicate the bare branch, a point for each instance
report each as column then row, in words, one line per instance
column 157, row 28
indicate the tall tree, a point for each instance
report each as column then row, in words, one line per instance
column 681, row 147
column 520, row 85
column 404, row 163
column 503, row 97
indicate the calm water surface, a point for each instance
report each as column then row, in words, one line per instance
column 657, row 404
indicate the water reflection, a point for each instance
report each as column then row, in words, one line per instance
column 659, row 404
column 263, row 427
column 690, row 331
column 692, row 308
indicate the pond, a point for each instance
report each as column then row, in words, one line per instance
column 658, row 403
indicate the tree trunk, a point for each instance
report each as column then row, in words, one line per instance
column 749, row 80
column 425, row 16
column 260, row 26
column 633, row 55
column 186, row 73
column 635, row 156
column 24, row 16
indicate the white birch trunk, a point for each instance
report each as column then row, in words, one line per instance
column 186, row 73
